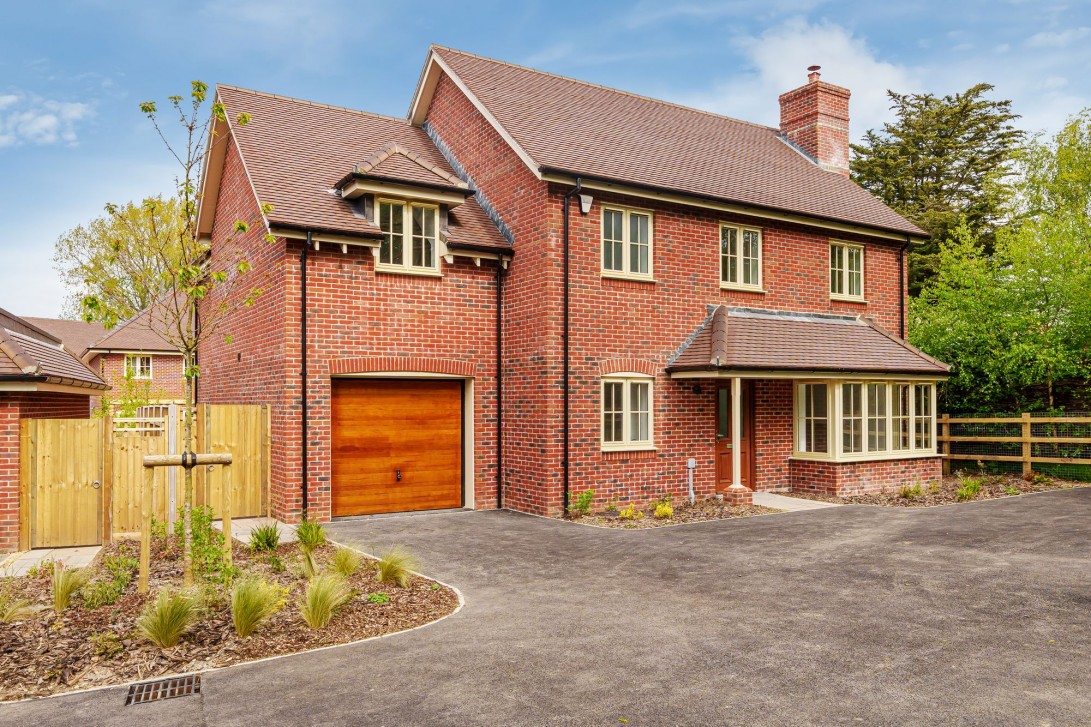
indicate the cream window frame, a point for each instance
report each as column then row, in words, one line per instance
column 800, row 419
column 130, row 357
column 836, row 421
column 406, row 266
column 843, row 273
column 626, row 242
column 627, row 443
column 740, row 232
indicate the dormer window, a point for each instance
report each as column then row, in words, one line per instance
column 410, row 236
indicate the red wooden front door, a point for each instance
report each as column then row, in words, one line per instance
column 723, row 437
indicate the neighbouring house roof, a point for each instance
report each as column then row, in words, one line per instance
column 295, row 152
column 750, row 339
column 578, row 128
column 30, row 354
column 135, row 334
column 76, row 335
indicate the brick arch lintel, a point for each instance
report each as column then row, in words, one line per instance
column 635, row 365
column 401, row 364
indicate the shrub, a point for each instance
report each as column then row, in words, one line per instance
column 1039, row 478
column 378, row 598
column 14, row 609
column 663, row 511
column 311, row 535
column 65, row 584
column 582, row 503
column 106, row 644
column 346, row 562
column 208, row 554
column 159, row 529
column 1009, row 490
column 169, row 616
column 265, row 537
column 252, row 602
column 630, row 513
column 611, row 506
column 969, row 488
column 102, row 593
column 121, row 566
column 276, row 563
column 325, row 595
column 395, row 566
column 910, row 492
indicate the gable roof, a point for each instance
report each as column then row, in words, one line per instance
column 27, row 353
column 76, row 335
column 135, row 334
column 295, row 152
column 767, row 340
column 572, row 127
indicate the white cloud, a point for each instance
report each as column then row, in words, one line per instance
column 1058, row 39
column 777, row 61
column 29, row 119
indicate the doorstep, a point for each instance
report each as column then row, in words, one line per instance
column 19, row 564
column 789, row 504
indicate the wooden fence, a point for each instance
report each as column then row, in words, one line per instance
column 1026, row 439
column 82, row 479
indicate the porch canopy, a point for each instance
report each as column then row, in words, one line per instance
column 752, row 343
column 737, row 343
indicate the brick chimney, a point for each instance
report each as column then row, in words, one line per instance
column 815, row 117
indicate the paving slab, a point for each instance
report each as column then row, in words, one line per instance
column 970, row 614
column 243, row 526
column 19, row 564
column 789, row 504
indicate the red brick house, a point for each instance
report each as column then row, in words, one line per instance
column 39, row 379
column 131, row 346
column 533, row 286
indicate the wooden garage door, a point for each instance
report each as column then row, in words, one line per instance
column 397, row 445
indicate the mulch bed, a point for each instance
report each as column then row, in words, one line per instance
column 700, row 511
column 47, row 654
column 945, row 491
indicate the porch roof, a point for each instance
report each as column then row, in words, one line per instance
column 749, row 339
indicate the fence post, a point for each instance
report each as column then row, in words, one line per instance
column 107, row 474
column 945, row 445
column 1027, row 468
column 172, row 473
column 146, row 528
column 225, row 491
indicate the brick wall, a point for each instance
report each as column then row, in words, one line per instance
column 13, row 407
column 853, row 478
column 168, row 380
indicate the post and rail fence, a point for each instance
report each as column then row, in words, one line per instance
column 1028, row 442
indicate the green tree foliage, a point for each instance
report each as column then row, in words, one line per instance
column 108, row 257
column 942, row 163
column 178, row 264
column 1016, row 322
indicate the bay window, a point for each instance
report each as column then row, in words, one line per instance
column 626, row 412
column 874, row 419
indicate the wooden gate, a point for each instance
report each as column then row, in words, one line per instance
column 61, row 483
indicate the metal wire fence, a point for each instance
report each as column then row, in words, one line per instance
column 1055, row 445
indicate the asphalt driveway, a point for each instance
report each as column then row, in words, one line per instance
column 970, row 614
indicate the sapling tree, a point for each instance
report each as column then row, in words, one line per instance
column 178, row 265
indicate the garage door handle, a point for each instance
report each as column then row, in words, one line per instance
column 398, row 474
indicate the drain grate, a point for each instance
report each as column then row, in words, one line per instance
column 164, row 689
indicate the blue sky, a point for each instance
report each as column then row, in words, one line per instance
column 72, row 74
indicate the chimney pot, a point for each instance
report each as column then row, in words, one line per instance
column 815, row 117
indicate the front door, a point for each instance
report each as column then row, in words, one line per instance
column 723, row 437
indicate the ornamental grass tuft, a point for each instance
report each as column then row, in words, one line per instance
column 346, row 562
column 65, row 584
column 253, row 601
column 326, row 594
column 168, row 617
column 311, row 535
column 396, row 566
column 265, row 538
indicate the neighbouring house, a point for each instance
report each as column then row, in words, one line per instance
column 130, row 347
column 39, row 379
column 534, row 286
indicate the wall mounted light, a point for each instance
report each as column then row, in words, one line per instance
column 585, row 203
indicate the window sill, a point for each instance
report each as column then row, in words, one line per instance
column 399, row 270
column 742, row 288
column 848, row 299
column 628, row 448
column 852, row 458
column 632, row 278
